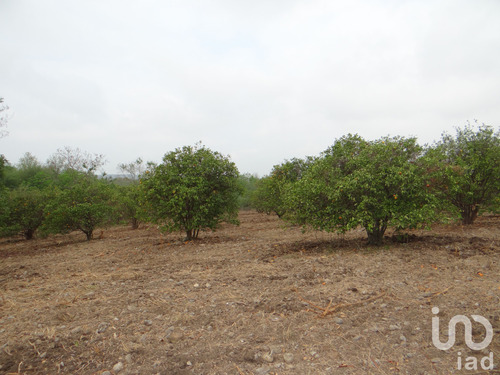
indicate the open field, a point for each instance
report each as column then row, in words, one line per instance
column 255, row 299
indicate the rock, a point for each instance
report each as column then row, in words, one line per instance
column 118, row 367
column 262, row 370
column 268, row 357
column 102, row 327
column 394, row 327
column 175, row 335
column 288, row 357
column 148, row 323
column 435, row 360
column 106, row 373
column 338, row 321
column 128, row 358
column 249, row 356
column 76, row 330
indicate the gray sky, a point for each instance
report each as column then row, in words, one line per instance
column 261, row 80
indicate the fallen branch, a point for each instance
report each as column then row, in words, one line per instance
column 324, row 311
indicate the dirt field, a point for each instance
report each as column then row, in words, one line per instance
column 255, row 299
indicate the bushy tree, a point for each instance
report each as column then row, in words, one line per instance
column 193, row 189
column 466, row 169
column 373, row 184
column 271, row 190
column 82, row 202
column 129, row 203
column 25, row 211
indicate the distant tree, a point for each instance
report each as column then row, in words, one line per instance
column 76, row 160
column 269, row 196
column 133, row 170
column 193, row 189
column 82, row 202
column 248, row 183
column 466, row 169
column 3, row 118
column 130, row 203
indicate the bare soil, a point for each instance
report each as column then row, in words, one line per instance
column 260, row 298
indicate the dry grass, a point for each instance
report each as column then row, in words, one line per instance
column 229, row 301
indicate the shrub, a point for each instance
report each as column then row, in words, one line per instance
column 82, row 202
column 466, row 169
column 271, row 190
column 370, row 184
column 193, row 189
column 25, row 211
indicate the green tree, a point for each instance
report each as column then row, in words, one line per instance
column 248, row 183
column 82, row 202
column 25, row 211
column 129, row 204
column 193, row 189
column 369, row 184
column 466, row 170
column 271, row 190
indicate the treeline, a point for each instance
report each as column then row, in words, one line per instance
column 390, row 182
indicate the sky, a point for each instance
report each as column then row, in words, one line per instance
column 261, row 81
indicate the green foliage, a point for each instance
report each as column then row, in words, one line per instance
column 271, row 190
column 466, row 170
column 128, row 198
column 82, row 202
column 248, row 183
column 359, row 183
column 24, row 211
column 194, row 188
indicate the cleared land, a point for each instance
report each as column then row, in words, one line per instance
column 260, row 298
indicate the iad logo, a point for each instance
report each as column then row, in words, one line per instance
column 471, row 362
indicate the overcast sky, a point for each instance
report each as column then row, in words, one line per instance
column 260, row 80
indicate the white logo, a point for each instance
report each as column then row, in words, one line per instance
column 471, row 363
column 468, row 331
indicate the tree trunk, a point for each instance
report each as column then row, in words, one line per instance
column 134, row 223
column 89, row 234
column 469, row 214
column 376, row 235
column 28, row 234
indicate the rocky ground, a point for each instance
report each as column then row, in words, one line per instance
column 261, row 298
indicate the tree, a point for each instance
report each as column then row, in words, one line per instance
column 360, row 183
column 134, row 169
column 248, row 183
column 466, row 169
column 25, row 212
column 130, row 204
column 271, row 190
column 3, row 118
column 82, row 202
column 193, row 189
column 76, row 160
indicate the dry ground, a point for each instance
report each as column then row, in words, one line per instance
column 255, row 299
